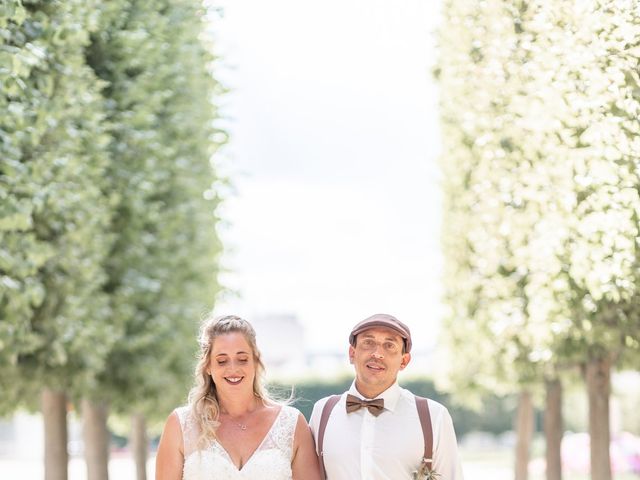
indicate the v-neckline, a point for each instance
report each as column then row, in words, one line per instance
column 264, row 439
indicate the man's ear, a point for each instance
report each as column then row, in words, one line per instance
column 352, row 352
column 406, row 358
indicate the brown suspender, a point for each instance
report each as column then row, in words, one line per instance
column 422, row 406
column 324, row 418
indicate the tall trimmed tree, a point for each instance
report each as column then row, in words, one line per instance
column 163, row 267
column 541, row 184
column 55, row 214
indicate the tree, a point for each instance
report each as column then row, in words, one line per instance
column 107, row 220
column 492, row 205
column 54, row 330
column 541, row 187
column 163, row 266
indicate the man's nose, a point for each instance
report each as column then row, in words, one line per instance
column 377, row 351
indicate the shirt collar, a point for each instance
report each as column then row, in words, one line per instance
column 390, row 395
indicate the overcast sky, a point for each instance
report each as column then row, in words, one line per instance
column 334, row 137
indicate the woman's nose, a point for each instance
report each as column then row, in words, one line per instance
column 235, row 365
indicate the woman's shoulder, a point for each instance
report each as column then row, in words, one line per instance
column 184, row 414
column 288, row 415
column 290, row 411
column 182, row 410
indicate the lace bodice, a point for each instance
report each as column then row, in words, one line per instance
column 270, row 461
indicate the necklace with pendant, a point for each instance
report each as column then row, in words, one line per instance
column 240, row 425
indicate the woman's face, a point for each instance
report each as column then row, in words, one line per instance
column 231, row 363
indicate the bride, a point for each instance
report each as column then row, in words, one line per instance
column 231, row 429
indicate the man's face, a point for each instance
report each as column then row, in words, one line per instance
column 377, row 359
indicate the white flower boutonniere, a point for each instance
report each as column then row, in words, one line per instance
column 425, row 472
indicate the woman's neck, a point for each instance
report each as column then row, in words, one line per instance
column 238, row 406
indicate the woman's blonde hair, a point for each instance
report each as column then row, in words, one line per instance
column 203, row 397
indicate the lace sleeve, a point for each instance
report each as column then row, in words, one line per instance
column 282, row 436
column 189, row 430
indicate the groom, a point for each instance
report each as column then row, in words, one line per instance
column 378, row 430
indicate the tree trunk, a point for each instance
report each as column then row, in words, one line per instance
column 139, row 445
column 54, row 413
column 598, row 378
column 524, row 432
column 96, row 439
column 553, row 428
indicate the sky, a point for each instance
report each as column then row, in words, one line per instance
column 334, row 213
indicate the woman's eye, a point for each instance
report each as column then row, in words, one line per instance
column 243, row 360
column 221, row 362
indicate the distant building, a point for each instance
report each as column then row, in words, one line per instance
column 281, row 341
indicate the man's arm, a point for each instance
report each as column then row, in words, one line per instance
column 446, row 455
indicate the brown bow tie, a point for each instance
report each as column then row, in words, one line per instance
column 375, row 407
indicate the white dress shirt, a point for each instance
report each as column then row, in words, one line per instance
column 360, row 446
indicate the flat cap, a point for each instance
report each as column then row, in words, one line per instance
column 382, row 320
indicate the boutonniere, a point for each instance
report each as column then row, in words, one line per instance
column 425, row 472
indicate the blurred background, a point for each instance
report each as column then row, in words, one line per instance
column 469, row 167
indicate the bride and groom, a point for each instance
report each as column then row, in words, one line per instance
column 232, row 428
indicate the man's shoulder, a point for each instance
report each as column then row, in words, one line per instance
column 434, row 406
column 319, row 405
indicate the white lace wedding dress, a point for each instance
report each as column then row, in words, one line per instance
column 270, row 461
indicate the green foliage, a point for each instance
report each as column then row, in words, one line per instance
column 107, row 198
column 541, row 185
column 55, row 212
column 162, row 269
